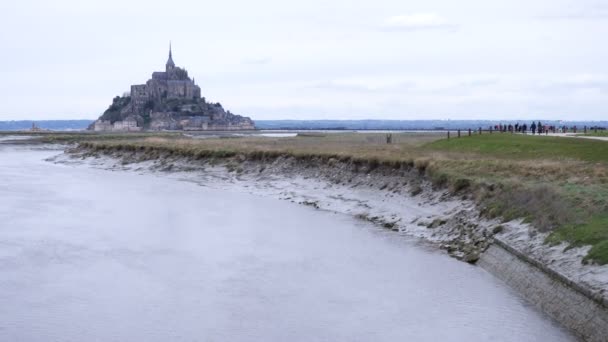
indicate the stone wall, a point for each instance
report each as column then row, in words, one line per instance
column 129, row 125
column 102, row 125
column 182, row 89
column 568, row 303
column 139, row 96
column 126, row 125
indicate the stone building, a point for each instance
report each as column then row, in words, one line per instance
column 102, row 125
column 173, row 83
column 170, row 100
column 127, row 125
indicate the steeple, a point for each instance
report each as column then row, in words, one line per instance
column 170, row 65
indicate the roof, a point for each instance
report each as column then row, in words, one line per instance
column 170, row 60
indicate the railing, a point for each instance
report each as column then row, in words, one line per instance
column 520, row 130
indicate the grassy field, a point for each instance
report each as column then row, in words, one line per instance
column 562, row 177
column 558, row 184
column 522, row 147
column 598, row 134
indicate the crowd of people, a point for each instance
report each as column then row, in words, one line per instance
column 534, row 128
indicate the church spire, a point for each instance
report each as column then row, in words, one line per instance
column 170, row 65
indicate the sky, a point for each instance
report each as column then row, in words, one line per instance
column 314, row 59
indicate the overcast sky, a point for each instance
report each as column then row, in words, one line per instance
column 314, row 59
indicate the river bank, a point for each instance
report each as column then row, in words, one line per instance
column 398, row 198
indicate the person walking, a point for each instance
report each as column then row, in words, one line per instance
column 533, row 127
column 539, row 128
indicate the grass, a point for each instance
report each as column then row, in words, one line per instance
column 520, row 147
column 593, row 233
column 369, row 147
column 560, row 185
column 597, row 134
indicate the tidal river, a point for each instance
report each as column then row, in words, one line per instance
column 95, row 255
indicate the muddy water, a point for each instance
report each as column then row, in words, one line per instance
column 93, row 255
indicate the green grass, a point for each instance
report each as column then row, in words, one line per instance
column 597, row 134
column 575, row 169
column 514, row 146
column 593, row 233
column 575, row 195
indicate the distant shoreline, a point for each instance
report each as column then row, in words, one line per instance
column 331, row 125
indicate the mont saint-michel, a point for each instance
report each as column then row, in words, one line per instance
column 170, row 100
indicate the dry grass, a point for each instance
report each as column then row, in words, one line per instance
column 409, row 148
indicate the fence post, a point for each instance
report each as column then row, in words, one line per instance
column 448, row 134
column 459, row 133
column 490, row 129
column 469, row 132
column 479, row 130
column 585, row 128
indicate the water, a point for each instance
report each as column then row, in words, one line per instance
column 93, row 255
column 215, row 135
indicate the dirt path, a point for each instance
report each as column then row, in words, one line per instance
column 576, row 135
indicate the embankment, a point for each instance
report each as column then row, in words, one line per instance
column 575, row 306
column 403, row 197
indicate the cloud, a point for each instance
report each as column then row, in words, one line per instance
column 582, row 11
column 257, row 61
column 365, row 84
column 571, row 86
column 417, row 21
column 339, row 86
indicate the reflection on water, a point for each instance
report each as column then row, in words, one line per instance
column 110, row 256
column 4, row 138
column 213, row 135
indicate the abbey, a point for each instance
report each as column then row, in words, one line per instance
column 170, row 100
column 173, row 83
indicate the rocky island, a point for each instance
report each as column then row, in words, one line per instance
column 170, row 100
